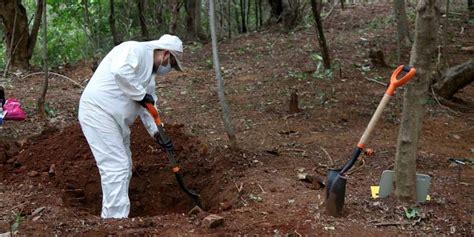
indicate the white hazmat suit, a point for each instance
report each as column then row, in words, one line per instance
column 108, row 106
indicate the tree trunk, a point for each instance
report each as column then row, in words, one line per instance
column 221, row 17
column 229, row 18
column 256, row 14
column 115, row 35
column 35, row 28
column 470, row 6
column 403, row 37
column 321, row 38
column 220, row 81
column 88, row 29
column 248, row 13
column 242, row 15
column 42, row 99
column 237, row 16
column 260, row 14
column 276, row 10
column 342, row 4
column 141, row 16
column 423, row 55
column 455, row 79
column 176, row 6
column 15, row 20
column 292, row 13
column 159, row 14
column 193, row 19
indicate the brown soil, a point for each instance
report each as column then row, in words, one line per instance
column 255, row 188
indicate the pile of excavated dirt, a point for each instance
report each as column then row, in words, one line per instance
column 63, row 160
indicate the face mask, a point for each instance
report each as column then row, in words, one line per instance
column 162, row 70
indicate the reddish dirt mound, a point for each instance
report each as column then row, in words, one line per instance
column 63, row 160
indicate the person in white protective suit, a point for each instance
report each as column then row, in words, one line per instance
column 114, row 97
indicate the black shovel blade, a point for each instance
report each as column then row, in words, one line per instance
column 335, row 193
column 196, row 198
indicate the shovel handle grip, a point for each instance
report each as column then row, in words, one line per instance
column 395, row 82
column 156, row 116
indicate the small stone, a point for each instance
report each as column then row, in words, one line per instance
column 213, row 221
column 33, row 173
column 301, row 176
column 52, row 170
column 9, row 161
column 36, row 218
column 456, row 136
column 38, row 211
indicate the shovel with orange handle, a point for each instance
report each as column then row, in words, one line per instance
column 336, row 179
column 170, row 153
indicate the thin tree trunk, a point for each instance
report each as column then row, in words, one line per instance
column 237, row 16
column 242, row 14
column 176, row 6
column 221, row 17
column 321, row 38
column 42, row 99
column 35, row 28
column 229, row 18
column 402, row 21
column 11, row 45
column 159, row 14
column 443, row 60
column 260, row 12
column 423, row 56
column 220, row 81
column 88, row 28
column 342, row 4
column 115, row 35
column 256, row 14
column 247, row 12
column 143, row 27
column 470, row 6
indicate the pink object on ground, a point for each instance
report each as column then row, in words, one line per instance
column 14, row 111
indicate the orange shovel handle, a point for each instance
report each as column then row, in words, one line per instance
column 154, row 113
column 395, row 82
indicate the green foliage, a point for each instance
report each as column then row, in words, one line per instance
column 2, row 56
column 16, row 225
column 471, row 21
column 411, row 212
column 320, row 72
column 381, row 22
column 193, row 46
column 209, row 63
column 297, row 75
column 49, row 111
